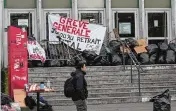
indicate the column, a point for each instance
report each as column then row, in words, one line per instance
column 141, row 20
column 108, row 15
column 1, row 30
column 75, row 9
column 39, row 18
column 173, row 8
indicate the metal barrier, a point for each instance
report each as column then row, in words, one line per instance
column 58, row 53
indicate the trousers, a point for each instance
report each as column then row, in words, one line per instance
column 81, row 105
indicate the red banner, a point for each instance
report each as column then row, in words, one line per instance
column 17, row 59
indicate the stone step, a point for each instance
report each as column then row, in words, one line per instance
column 96, row 73
column 114, row 94
column 96, row 101
column 111, row 85
column 58, row 81
column 100, row 68
column 67, row 74
column 105, row 76
column 124, row 89
column 70, row 69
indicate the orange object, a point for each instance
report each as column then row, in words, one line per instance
column 140, row 49
column 142, row 42
column 19, row 96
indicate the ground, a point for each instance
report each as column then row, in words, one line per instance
column 119, row 107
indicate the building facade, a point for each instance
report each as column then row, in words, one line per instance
column 153, row 20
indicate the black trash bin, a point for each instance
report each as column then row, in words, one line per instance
column 162, row 102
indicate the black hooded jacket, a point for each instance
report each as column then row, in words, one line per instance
column 80, row 84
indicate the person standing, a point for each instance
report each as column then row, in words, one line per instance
column 81, row 93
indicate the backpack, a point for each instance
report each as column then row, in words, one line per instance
column 30, row 102
column 69, row 88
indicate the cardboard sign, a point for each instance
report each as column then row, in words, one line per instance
column 36, row 52
column 142, row 42
column 79, row 35
column 19, row 96
column 140, row 49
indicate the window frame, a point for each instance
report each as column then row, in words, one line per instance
column 45, row 12
column 93, row 10
column 158, row 10
column 136, row 19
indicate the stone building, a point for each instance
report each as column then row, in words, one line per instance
column 153, row 20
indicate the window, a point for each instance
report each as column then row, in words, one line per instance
column 157, row 25
column 22, row 20
column 94, row 17
column 156, row 41
column 125, row 22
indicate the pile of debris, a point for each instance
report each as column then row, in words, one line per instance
column 161, row 53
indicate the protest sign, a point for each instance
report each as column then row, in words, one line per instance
column 79, row 35
column 36, row 52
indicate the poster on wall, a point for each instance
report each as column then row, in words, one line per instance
column 23, row 22
column 79, row 35
column 17, row 59
column 125, row 28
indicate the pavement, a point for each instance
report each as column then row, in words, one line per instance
column 118, row 107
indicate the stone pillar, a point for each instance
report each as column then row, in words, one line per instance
column 1, row 30
column 141, row 20
column 39, row 18
column 173, row 8
column 108, row 15
column 75, row 9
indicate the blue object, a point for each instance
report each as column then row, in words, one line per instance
column 41, row 85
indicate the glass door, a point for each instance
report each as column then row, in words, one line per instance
column 22, row 19
column 158, row 26
column 127, row 23
column 18, row 18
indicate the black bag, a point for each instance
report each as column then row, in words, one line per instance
column 115, row 45
column 161, row 59
column 46, row 107
column 172, row 46
column 170, row 57
column 152, row 49
column 144, row 58
column 163, row 46
column 153, row 58
column 30, row 102
column 116, row 59
column 162, row 102
column 69, row 88
column 5, row 99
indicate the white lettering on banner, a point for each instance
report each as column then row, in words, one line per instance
column 36, row 52
column 19, row 78
column 79, row 35
column 18, row 38
column 17, row 64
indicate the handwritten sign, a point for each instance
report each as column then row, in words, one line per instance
column 79, row 35
column 36, row 52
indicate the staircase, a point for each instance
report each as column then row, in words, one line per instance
column 109, row 84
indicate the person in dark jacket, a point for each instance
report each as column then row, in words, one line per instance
column 81, row 92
